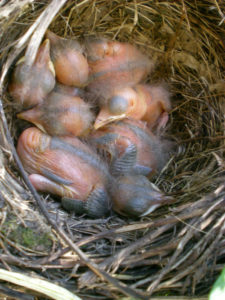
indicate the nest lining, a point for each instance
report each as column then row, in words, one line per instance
column 178, row 249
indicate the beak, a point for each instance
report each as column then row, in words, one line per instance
column 104, row 118
column 43, row 52
column 31, row 116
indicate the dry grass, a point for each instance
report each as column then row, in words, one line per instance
column 177, row 250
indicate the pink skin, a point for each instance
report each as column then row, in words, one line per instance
column 70, row 64
column 114, row 65
column 67, row 90
column 158, row 103
column 42, row 155
column 149, row 103
column 151, row 151
column 137, row 196
column 30, row 85
column 60, row 115
column 43, row 184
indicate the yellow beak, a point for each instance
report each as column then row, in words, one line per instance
column 104, row 118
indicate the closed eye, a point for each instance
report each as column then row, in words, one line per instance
column 118, row 105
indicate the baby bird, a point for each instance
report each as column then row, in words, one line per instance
column 136, row 196
column 132, row 148
column 68, row 168
column 149, row 103
column 60, row 115
column 68, row 90
column 114, row 65
column 70, row 64
column 30, row 84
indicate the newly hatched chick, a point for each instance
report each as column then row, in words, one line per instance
column 68, row 90
column 114, row 65
column 68, row 168
column 30, row 84
column 60, row 115
column 70, row 64
column 136, row 196
column 150, row 103
column 132, row 147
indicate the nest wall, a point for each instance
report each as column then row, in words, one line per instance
column 179, row 249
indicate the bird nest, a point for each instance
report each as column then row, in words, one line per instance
column 179, row 248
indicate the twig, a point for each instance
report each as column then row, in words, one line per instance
column 39, row 285
column 61, row 233
column 38, row 26
column 15, row 294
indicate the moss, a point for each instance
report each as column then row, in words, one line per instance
column 26, row 236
